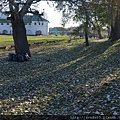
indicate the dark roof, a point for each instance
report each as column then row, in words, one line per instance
column 5, row 21
column 59, row 29
column 27, row 19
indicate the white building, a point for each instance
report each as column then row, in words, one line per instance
column 33, row 23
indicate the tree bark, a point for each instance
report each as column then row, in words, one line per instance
column 20, row 38
column 115, row 31
column 99, row 34
column 111, row 33
column 86, row 37
column 86, row 28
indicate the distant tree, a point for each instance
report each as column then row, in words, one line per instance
column 17, row 9
column 77, row 10
column 94, row 13
column 63, row 23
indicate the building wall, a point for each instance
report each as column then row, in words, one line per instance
column 5, row 27
column 30, row 28
column 54, row 31
column 37, row 26
column 58, row 32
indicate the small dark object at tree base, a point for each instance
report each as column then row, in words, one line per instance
column 15, row 58
column 10, row 56
column 18, row 57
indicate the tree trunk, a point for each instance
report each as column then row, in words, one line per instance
column 19, row 36
column 111, row 33
column 115, row 32
column 99, row 34
column 86, row 38
column 111, row 29
column 86, row 28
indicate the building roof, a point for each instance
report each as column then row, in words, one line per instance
column 5, row 21
column 27, row 19
column 58, row 29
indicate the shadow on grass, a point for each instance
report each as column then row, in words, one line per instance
column 53, row 74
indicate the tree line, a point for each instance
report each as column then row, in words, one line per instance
column 94, row 14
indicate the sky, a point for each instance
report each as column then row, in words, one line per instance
column 54, row 17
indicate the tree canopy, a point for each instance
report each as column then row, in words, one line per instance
column 96, row 13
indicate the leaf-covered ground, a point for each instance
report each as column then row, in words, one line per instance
column 63, row 79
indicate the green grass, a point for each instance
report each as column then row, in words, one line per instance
column 8, row 39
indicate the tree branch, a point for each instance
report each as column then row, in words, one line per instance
column 25, row 8
column 11, row 7
column 11, row 4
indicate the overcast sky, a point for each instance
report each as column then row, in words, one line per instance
column 53, row 16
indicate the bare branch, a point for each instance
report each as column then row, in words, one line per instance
column 11, row 7
column 25, row 8
column 11, row 2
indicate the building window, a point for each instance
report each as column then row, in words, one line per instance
column 35, row 23
column 39, row 23
column 29, row 23
column 7, row 23
column 1, row 23
column 42, row 23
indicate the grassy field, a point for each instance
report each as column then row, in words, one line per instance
column 8, row 40
column 63, row 79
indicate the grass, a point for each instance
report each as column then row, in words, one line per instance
column 6, row 40
column 61, row 79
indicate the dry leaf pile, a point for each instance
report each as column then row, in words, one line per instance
column 63, row 79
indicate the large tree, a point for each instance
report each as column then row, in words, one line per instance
column 115, row 23
column 17, row 9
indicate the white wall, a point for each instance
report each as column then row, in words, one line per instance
column 43, row 26
column 5, row 27
column 30, row 29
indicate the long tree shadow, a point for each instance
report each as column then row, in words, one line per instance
column 50, row 75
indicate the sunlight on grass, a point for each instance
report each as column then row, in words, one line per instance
column 8, row 39
column 111, row 77
column 19, row 106
column 62, row 78
column 62, row 66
